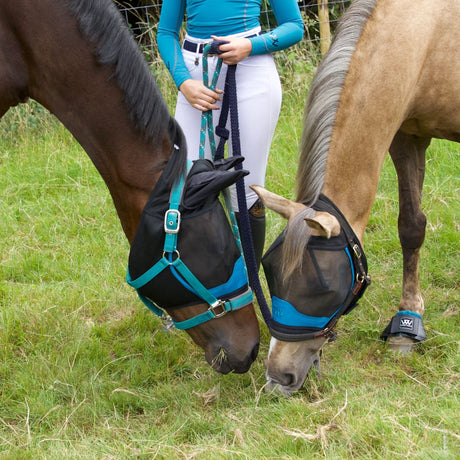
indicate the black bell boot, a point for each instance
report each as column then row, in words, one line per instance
column 257, row 225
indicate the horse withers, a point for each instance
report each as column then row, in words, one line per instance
column 390, row 82
column 78, row 59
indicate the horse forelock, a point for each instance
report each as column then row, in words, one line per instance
column 295, row 240
column 323, row 101
column 102, row 23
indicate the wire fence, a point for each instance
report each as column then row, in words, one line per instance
column 320, row 18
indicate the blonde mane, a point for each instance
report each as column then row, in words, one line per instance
column 323, row 101
column 319, row 118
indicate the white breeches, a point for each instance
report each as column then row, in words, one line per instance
column 259, row 103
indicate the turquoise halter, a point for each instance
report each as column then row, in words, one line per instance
column 171, row 259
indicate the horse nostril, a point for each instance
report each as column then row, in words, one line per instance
column 255, row 352
column 288, row 379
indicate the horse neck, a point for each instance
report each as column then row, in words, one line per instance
column 347, row 170
column 353, row 168
column 66, row 78
column 129, row 164
column 376, row 97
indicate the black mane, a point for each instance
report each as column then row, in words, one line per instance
column 101, row 22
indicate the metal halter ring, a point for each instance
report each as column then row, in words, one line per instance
column 173, row 252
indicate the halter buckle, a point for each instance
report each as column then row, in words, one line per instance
column 360, row 280
column 328, row 333
column 218, row 304
column 172, row 221
column 357, row 251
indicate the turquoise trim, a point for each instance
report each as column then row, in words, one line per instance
column 409, row 313
column 284, row 313
column 173, row 211
column 150, row 305
column 353, row 276
column 197, row 286
column 235, row 282
column 148, row 275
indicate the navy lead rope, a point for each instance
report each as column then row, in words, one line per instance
column 230, row 102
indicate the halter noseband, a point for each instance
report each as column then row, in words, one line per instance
column 218, row 307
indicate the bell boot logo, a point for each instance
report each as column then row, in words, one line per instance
column 406, row 323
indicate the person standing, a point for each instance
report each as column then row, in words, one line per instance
column 257, row 79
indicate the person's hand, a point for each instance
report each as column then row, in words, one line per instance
column 235, row 50
column 199, row 96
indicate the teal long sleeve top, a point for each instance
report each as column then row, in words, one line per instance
column 224, row 17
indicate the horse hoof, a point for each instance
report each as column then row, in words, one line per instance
column 401, row 344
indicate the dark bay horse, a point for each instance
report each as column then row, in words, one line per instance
column 390, row 82
column 77, row 58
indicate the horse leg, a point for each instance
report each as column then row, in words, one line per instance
column 408, row 155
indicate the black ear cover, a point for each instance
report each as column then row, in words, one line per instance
column 206, row 181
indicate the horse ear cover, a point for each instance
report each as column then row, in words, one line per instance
column 207, row 180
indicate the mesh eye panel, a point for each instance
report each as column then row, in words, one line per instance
column 323, row 283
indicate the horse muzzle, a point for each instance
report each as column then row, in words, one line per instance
column 287, row 380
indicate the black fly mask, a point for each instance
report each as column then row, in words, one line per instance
column 205, row 242
column 332, row 279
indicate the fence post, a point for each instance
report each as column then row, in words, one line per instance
column 324, row 28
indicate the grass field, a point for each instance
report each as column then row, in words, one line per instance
column 87, row 372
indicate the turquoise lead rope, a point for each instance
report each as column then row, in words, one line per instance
column 206, row 117
column 207, row 128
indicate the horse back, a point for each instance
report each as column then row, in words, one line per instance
column 412, row 49
column 404, row 71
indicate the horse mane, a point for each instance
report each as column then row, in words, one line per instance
column 102, row 23
column 319, row 118
column 323, row 101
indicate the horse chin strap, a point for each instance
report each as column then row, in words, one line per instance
column 171, row 259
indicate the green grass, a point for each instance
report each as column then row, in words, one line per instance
column 86, row 371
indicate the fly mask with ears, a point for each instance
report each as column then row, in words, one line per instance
column 332, row 279
column 184, row 251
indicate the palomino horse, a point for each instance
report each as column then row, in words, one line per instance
column 390, row 82
column 77, row 58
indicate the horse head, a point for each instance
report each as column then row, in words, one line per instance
column 311, row 274
column 199, row 279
